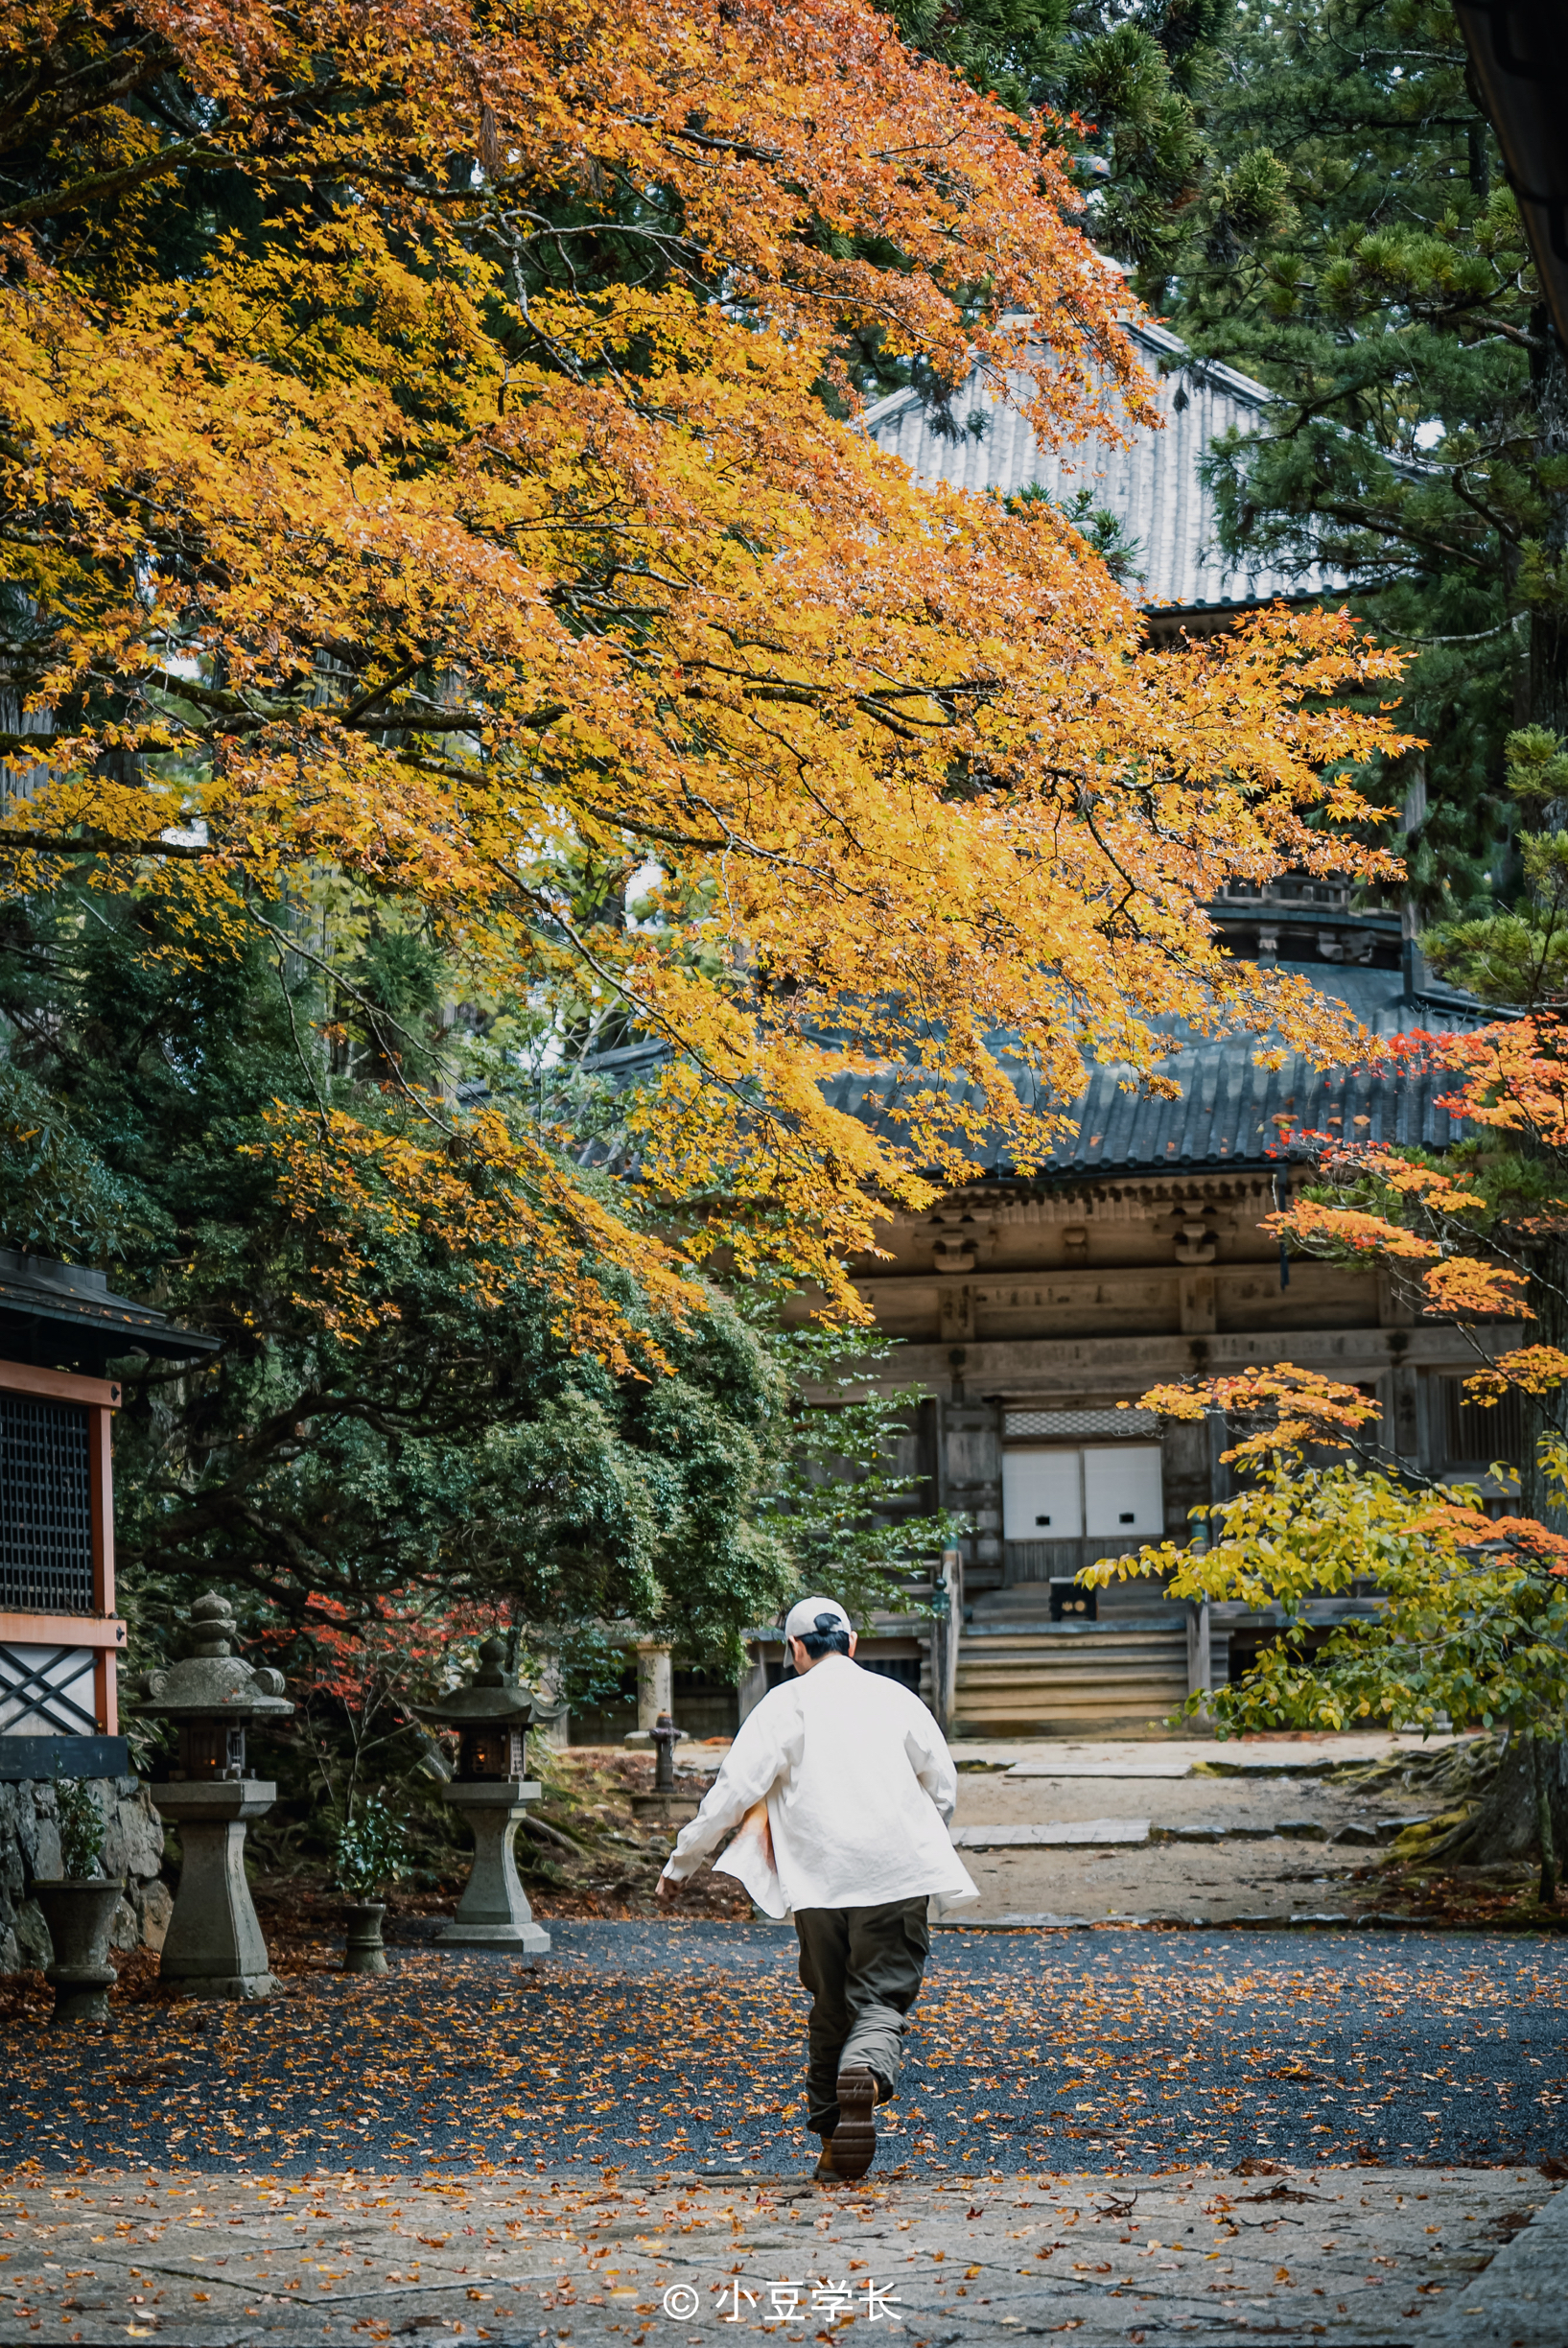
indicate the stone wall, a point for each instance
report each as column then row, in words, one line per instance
column 30, row 1848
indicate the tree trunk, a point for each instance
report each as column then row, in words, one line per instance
column 1545, row 1413
column 1548, row 681
column 1522, row 1814
column 1546, row 1766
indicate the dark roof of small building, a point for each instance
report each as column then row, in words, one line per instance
column 1231, row 1112
column 60, row 1316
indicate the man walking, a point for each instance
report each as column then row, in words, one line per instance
column 843, row 1785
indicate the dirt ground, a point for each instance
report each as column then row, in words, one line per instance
column 1275, row 1807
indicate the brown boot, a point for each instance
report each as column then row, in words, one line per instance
column 825, row 2173
column 854, row 2142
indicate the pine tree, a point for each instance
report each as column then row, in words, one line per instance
column 1420, row 444
column 1135, row 76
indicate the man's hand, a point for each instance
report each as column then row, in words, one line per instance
column 669, row 1889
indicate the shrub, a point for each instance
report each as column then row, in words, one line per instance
column 81, row 1828
column 372, row 1847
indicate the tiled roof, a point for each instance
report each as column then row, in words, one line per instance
column 1154, row 487
column 1230, row 1111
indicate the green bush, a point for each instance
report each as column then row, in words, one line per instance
column 372, row 1844
column 81, row 1828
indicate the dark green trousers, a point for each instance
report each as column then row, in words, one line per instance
column 864, row 1967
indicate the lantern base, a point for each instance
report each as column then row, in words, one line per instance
column 526, row 1938
column 239, row 1988
column 215, row 1946
column 494, row 1911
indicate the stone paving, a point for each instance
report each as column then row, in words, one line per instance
column 1370, row 2258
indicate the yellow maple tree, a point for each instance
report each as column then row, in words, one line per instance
column 428, row 456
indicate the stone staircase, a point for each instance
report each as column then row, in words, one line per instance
column 1021, row 1674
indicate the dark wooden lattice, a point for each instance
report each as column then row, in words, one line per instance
column 46, row 1546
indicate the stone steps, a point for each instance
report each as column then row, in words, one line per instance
column 1048, row 1681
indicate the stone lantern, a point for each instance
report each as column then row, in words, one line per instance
column 491, row 1714
column 664, row 1803
column 215, row 1946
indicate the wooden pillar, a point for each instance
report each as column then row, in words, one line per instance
column 101, row 1483
column 1200, row 1648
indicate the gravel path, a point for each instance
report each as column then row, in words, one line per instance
column 651, row 2046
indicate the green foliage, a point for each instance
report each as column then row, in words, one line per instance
column 460, row 1445
column 372, row 1848
column 590, row 1667
column 1356, row 247
column 1518, row 957
column 83, row 1827
column 846, row 1506
column 57, row 1196
column 1470, row 1623
column 1535, row 764
column 457, row 1449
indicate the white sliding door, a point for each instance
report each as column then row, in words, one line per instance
column 1123, row 1494
column 1043, row 1496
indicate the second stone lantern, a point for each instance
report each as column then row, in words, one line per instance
column 491, row 1714
column 215, row 1946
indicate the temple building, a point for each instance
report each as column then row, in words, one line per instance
column 1153, row 489
column 1033, row 1310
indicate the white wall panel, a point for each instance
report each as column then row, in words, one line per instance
column 1124, row 1493
column 1043, row 1496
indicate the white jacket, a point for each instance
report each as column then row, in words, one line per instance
column 860, row 1785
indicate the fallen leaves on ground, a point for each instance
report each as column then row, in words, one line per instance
column 670, row 2045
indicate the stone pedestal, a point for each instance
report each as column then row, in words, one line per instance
column 552, row 1713
column 215, row 1946
column 494, row 1911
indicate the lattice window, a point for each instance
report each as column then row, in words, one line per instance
column 46, row 1534
column 1075, row 1422
column 1478, row 1433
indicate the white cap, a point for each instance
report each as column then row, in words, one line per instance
column 802, row 1619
